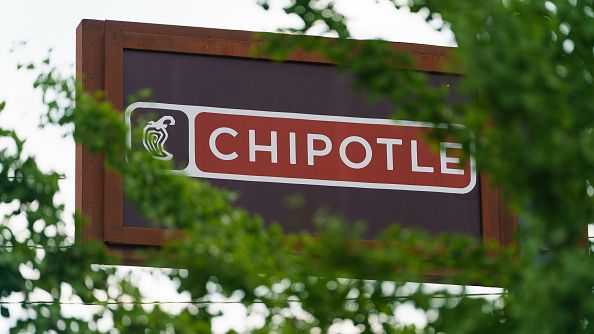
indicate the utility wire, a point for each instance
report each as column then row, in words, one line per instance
column 486, row 294
column 60, row 177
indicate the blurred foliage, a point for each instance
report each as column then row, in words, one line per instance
column 528, row 81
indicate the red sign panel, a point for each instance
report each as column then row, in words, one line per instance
column 310, row 149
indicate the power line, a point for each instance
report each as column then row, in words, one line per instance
column 60, row 177
column 486, row 294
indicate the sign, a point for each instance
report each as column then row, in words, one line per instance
column 291, row 138
column 319, row 150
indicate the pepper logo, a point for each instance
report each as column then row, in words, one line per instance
column 155, row 135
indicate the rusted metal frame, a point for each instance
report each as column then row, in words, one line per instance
column 105, row 206
column 90, row 66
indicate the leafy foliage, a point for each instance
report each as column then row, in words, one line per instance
column 528, row 77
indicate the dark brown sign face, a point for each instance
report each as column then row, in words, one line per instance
column 295, row 138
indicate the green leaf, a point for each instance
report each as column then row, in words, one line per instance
column 4, row 312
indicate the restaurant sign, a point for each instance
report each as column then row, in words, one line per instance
column 292, row 139
column 300, row 148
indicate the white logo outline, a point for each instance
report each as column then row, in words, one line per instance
column 154, row 137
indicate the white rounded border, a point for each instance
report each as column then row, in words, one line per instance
column 193, row 171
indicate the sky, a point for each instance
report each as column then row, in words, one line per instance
column 45, row 25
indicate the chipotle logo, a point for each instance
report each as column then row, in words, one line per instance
column 318, row 150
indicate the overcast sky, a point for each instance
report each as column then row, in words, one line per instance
column 52, row 24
